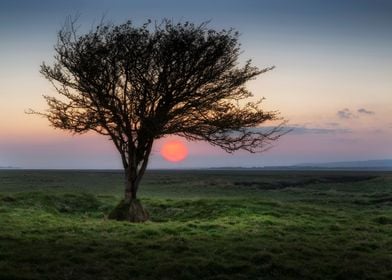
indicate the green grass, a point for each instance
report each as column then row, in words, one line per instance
column 204, row 225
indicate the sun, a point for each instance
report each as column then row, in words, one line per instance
column 174, row 151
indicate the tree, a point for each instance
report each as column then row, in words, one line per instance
column 138, row 84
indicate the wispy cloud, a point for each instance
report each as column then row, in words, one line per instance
column 299, row 130
column 348, row 114
column 365, row 111
column 345, row 114
column 332, row 124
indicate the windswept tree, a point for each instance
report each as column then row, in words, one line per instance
column 138, row 84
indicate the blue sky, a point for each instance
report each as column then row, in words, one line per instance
column 333, row 58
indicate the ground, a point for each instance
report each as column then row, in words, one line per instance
column 204, row 225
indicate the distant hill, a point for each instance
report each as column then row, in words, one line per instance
column 385, row 164
column 382, row 164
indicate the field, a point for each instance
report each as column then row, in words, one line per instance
column 204, row 225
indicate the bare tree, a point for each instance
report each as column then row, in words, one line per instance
column 138, row 84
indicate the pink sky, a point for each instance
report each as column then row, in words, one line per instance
column 332, row 81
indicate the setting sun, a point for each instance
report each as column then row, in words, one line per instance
column 174, row 151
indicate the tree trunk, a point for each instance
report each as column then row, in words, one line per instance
column 130, row 188
column 130, row 208
column 135, row 164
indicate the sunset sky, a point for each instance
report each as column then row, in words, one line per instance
column 333, row 78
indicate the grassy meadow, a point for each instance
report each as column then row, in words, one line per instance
column 207, row 224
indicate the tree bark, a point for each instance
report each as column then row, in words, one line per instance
column 131, row 186
column 131, row 211
column 130, row 208
column 134, row 170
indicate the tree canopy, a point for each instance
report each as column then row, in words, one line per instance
column 138, row 84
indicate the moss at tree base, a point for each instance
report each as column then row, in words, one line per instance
column 132, row 211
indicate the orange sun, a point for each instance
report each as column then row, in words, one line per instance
column 174, row 151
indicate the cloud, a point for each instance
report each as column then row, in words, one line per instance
column 313, row 130
column 332, row 124
column 345, row 114
column 297, row 129
column 348, row 114
column 365, row 112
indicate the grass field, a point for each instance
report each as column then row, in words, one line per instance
column 204, row 225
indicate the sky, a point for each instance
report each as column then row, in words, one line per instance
column 332, row 79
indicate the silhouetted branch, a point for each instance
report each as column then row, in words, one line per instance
column 138, row 84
